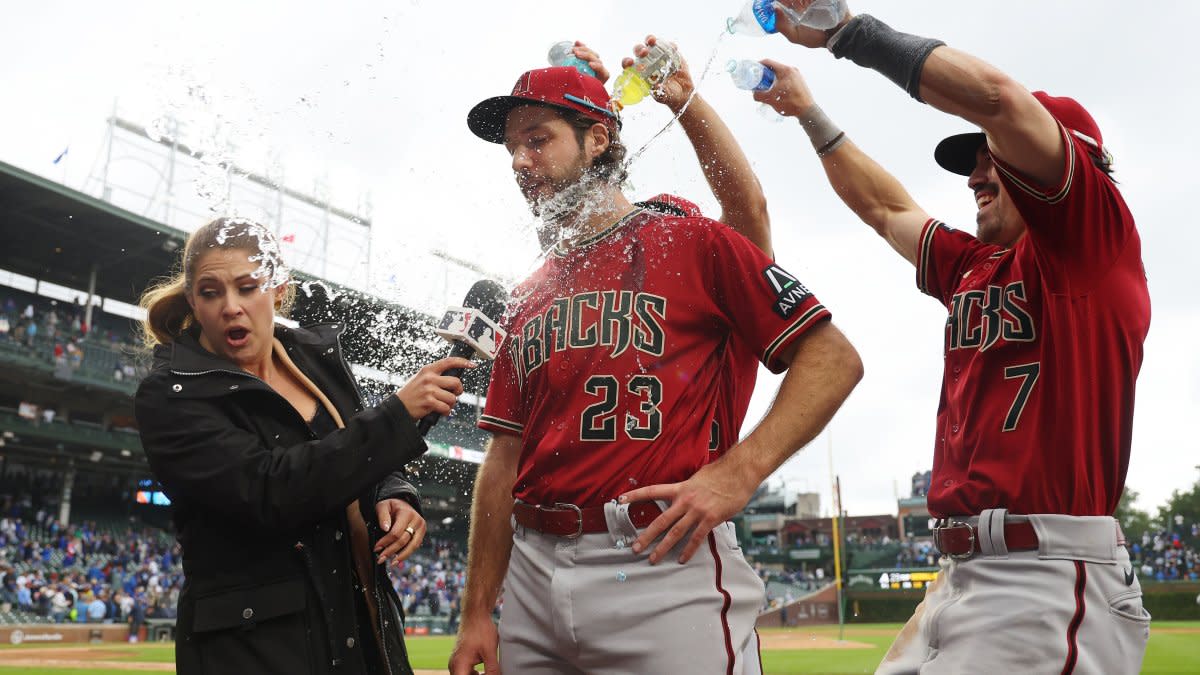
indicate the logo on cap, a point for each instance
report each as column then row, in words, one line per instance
column 524, row 85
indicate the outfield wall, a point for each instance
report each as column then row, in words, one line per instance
column 815, row 608
column 1166, row 601
column 63, row 633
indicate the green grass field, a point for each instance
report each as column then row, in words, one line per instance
column 1174, row 648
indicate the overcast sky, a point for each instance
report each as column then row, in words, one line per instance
column 371, row 98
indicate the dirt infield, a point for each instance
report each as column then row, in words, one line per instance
column 774, row 641
column 78, row 657
column 1176, row 630
column 95, row 657
column 104, row 656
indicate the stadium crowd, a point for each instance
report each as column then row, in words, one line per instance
column 86, row 572
column 59, row 331
column 127, row 572
column 431, row 580
column 917, row 553
column 1168, row 556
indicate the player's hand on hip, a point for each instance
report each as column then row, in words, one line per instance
column 790, row 94
column 431, row 391
column 707, row 499
column 677, row 89
column 803, row 35
column 403, row 528
column 586, row 53
column 477, row 643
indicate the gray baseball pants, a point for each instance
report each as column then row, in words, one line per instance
column 1072, row 606
column 589, row 605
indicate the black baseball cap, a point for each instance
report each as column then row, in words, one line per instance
column 956, row 153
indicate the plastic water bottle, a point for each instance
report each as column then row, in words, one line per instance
column 758, row 16
column 756, row 19
column 752, row 75
column 821, row 14
column 647, row 72
column 563, row 54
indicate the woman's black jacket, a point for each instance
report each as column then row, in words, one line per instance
column 260, row 508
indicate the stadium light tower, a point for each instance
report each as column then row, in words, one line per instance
column 322, row 235
column 507, row 282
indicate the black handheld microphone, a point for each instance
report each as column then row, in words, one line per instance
column 472, row 331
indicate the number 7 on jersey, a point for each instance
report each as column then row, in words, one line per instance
column 1029, row 374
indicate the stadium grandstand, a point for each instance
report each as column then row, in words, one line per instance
column 84, row 531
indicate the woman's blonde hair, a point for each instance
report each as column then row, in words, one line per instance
column 168, row 313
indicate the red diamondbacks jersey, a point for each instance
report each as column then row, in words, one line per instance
column 1042, row 349
column 611, row 371
column 740, row 371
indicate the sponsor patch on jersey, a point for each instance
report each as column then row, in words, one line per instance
column 789, row 292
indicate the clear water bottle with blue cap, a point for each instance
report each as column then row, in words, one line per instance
column 563, row 54
column 821, row 14
column 756, row 18
column 751, row 75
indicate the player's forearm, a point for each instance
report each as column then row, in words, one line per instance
column 873, row 194
column 823, row 370
column 728, row 172
column 490, row 542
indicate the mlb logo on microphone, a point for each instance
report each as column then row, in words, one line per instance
column 454, row 323
column 485, row 336
column 469, row 326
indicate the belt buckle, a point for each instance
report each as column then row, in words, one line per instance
column 955, row 524
column 578, row 519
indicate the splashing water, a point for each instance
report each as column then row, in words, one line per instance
column 271, row 271
column 579, row 198
column 330, row 293
column 682, row 109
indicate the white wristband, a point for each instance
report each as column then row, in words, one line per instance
column 822, row 132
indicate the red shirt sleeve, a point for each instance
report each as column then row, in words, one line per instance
column 768, row 307
column 1081, row 225
column 944, row 255
column 503, row 412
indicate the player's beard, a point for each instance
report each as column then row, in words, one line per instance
column 561, row 214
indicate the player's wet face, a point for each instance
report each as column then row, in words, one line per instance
column 997, row 221
column 235, row 315
column 546, row 153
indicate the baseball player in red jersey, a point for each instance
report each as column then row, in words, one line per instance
column 1048, row 311
column 743, row 208
column 606, row 389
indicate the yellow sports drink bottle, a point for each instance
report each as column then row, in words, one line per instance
column 647, row 72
